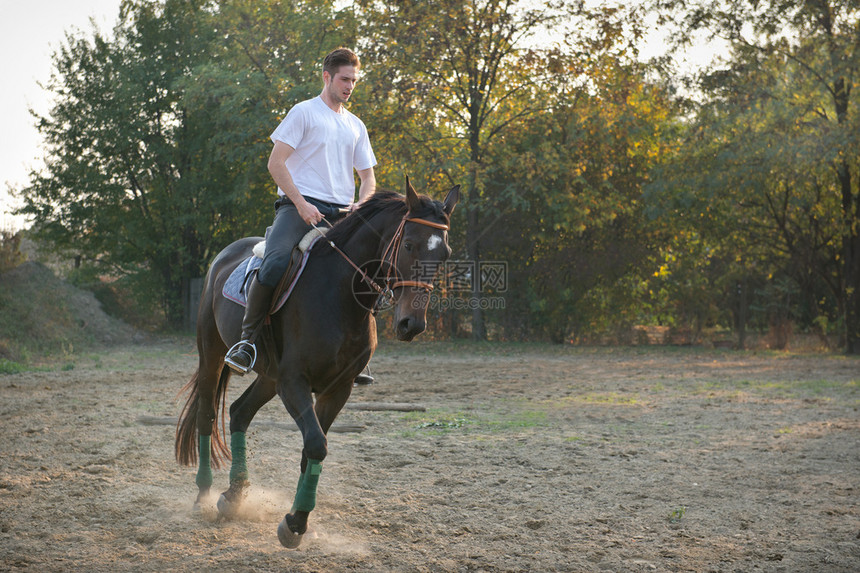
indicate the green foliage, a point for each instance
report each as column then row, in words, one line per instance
column 10, row 367
column 459, row 76
column 158, row 141
column 552, row 142
column 677, row 514
column 572, row 180
column 773, row 147
column 613, row 201
column 133, row 299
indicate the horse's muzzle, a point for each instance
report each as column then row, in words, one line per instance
column 408, row 328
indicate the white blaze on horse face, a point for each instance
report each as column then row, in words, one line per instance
column 433, row 242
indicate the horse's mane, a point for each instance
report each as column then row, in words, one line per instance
column 382, row 202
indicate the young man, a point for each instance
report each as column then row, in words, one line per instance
column 316, row 148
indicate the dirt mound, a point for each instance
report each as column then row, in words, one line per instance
column 44, row 316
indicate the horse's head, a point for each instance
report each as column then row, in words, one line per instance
column 419, row 252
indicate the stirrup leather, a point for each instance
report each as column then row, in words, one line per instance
column 252, row 352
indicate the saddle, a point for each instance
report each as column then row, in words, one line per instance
column 235, row 288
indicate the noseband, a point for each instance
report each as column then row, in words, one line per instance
column 390, row 258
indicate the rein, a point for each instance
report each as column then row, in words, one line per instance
column 390, row 258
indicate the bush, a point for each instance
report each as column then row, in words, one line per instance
column 10, row 251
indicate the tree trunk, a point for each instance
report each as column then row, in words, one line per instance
column 473, row 230
column 479, row 330
column 850, row 262
column 742, row 314
column 851, row 234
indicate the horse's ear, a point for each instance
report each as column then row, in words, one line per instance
column 413, row 203
column 451, row 199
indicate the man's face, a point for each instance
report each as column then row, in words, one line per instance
column 341, row 83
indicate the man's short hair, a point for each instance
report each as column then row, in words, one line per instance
column 338, row 58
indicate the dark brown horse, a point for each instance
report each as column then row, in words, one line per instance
column 318, row 341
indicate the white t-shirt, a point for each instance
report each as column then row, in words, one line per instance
column 328, row 146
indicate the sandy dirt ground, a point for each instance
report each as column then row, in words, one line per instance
column 527, row 458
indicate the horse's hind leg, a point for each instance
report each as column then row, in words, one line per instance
column 242, row 411
column 195, row 442
column 211, row 383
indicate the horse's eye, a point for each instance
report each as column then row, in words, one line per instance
column 408, row 246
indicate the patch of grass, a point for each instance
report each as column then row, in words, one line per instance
column 611, row 398
column 517, row 420
column 10, row 367
column 169, row 350
column 413, row 417
column 435, row 422
column 677, row 514
column 793, row 389
column 514, row 350
column 825, row 386
column 444, row 424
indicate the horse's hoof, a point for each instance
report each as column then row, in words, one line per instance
column 231, row 500
column 287, row 537
column 202, row 498
column 226, row 508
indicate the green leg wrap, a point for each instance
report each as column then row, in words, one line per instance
column 239, row 467
column 306, row 493
column 298, row 489
column 204, row 469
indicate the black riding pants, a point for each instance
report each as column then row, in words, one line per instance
column 283, row 236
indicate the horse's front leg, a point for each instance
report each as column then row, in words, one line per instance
column 242, row 411
column 314, row 422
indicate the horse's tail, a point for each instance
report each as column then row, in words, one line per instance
column 186, row 430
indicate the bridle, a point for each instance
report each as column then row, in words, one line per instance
column 389, row 258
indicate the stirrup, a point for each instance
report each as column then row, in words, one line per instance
column 238, row 368
column 363, row 379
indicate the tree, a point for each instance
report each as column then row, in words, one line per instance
column 158, row 138
column 782, row 120
column 455, row 69
column 570, row 183
column 117, row 187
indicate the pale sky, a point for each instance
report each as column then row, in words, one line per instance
column 30, row 32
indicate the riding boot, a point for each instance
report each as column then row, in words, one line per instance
column 243, row 354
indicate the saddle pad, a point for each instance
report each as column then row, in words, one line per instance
column 235, row 289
